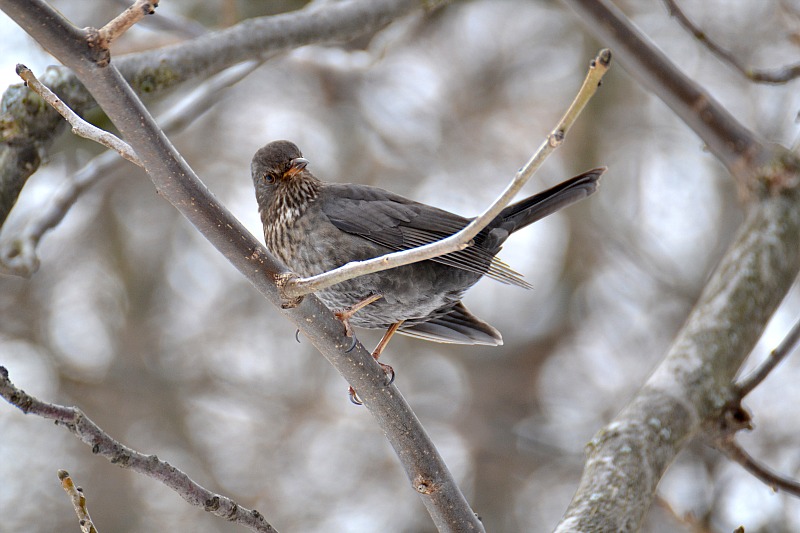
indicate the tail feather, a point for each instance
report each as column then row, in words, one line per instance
column 517, row 216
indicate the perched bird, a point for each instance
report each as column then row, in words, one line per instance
column 314, row 226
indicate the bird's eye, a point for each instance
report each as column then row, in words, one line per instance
column 268, row 177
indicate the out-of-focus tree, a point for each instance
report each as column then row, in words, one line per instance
column 130, row 314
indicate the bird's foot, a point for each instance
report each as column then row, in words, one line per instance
column 376, row 353
column 388, row 370
column 344, row 316
column 354, row 397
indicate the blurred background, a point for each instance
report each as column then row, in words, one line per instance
column 140, row 322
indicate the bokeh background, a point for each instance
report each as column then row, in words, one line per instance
column 140, row 322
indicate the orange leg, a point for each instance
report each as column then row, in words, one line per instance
column 376, row 353
column 345, row 314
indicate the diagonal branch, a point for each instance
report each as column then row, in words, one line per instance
column 178, row 184
column 736, row 147
column 787, row 346
column 628, row 457
column 737, row 454
column 79, row 126
column 295, row 288
column 102, row 444
column 125, row 20
column 18, row 252
column 78, row 501
column 774, row 76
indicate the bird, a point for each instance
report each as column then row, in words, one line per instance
column 315, row 226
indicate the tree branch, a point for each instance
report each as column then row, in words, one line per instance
column 298, row 287
column 78, row 501
column 772, row 479
column 18, row 252
column 125, row 20
column 102, row 444
column 736, row 147
column 79, row 126
column 746, row 385
column 628, row 457
column 178, row 184
column 773, row 76
column 28, row 131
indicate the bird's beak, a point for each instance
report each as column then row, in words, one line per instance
column 296, row 165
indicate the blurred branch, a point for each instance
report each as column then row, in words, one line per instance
column 79, row 126
column 18, row 252
column 29, row 130
column 774, row 76
column 178, row 184
column 628, row 457
column 775, row 481
column 751, row 381
column 297, row 287
column 78, row 502
column 721, row 432
column 102, row 444
column 736, row 147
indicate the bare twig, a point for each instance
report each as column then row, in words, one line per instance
column 125, row 20
column 774, row 76
column 746, row 385
column 297, row 287
column 79, row 126
column 18, row 253
column 776, row 481
column 78, row 502
column 102, row 444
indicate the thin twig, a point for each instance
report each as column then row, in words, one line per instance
column 774, row 76
column 125, row 20
column 297, row 287
column 736, row 453
column 78, row 502
column 746, row 385
column 18, row 254
column 102, row 444
column 79, row 126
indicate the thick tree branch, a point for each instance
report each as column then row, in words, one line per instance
column 102, row 444
column 177, row 183
column 693, row 384
column 29, row 128
column 627, row 459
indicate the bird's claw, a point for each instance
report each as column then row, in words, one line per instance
column 352, row 344
column 389, row 371
column 354, row 397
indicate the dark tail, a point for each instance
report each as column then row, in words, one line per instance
column 527, row 211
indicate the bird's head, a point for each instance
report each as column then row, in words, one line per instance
column 277, row 164
column 284, row 187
